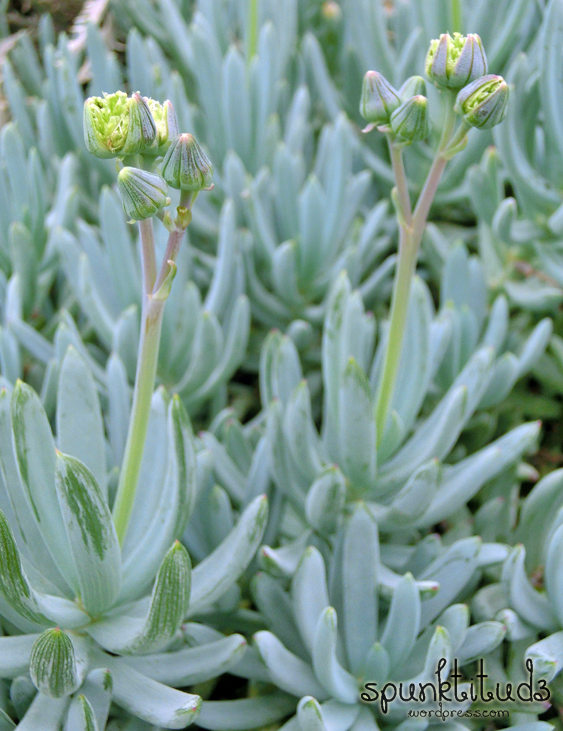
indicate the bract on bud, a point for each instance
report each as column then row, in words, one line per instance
column 379, row 99
column 142, row 193
column 410, row 122
column 166, row 122
column 186, row 166
column 413, row 86
column 116, row 125
column 483, row 103
column 52, row 664
column 451, row 63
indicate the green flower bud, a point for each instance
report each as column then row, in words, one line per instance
column 166, row 122
column 379, row 99
column 411, row 121
column 483, row 103
column 186, row 166
column 453, row 62
column 413, row 86
column 116, row 125
column 52, row 664
column 142, row 193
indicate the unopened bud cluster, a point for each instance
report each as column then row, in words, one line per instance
column 457, row 64
column 123, row 127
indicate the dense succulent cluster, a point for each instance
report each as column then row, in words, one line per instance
column 262, row 451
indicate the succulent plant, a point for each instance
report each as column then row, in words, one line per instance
column 62, row 565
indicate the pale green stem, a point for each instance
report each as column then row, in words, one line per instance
column 410, row 236
column 456, row 16
column 151, row 326
column 252, row 29
column 148, row 258
column 399, row 306
column 401, row 180
column 174, row 240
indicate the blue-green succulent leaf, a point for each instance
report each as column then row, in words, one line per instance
column 403, row 621
column 80, row 430
column 91, row 534
column 123, row 634
column 357, row 431
column 35, row 453
column 360, row 568
column 97, row 688
column 338, row 682
column 191, row 665
column 533, row 606
column 309, row 594
column 45, row 713
column 547, row 656
column 81, row 715
column 309, row 715
column 480, row 640
column 452, row 570
column 554, row 572
column 246, row 713
column 288, row 671
column 153, row 702
column 222, row 568
column 14, row 654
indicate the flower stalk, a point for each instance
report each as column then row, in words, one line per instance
column 450, row 64
column 156, row 288
column 130, row 128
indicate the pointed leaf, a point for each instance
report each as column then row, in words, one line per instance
column 337, row 681
column 14, row 654
column 80, row 430
column 35, row 454
column 246, row 713
column 27, row 604
column 357, row 434
column 97, row 688
column 534, row 607
column 91, row 534
column 45, row 713
column 191, row 665
column 360, row 568
column 288, row 671
column 168, row 608
column 309, row 715
column 151, row 701
column 547, row 656
column 309, row 594
column 403, row 621
column 81, row 715
column 222, row 568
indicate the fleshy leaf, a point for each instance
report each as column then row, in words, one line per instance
column 91, row 534
column 125, row 634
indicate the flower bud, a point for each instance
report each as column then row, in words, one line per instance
column 453, row 62
column 413, row 86
column 166, row 122
column 142, row 193
column 116, row 125
column 186, row 166
column 483, row 103
column 379, row 99
column 410, row 122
